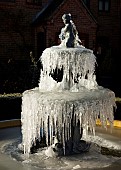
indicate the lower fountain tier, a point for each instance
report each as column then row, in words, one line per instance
column 56, row 112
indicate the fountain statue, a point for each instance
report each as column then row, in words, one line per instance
column 69, row 35
column 62, row 110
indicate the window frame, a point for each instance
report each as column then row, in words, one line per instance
column 104, row 5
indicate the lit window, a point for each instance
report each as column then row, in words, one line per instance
column 38, row 2
column 104, row 5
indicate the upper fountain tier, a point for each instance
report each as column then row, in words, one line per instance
column 76, row 65
column 69, row 66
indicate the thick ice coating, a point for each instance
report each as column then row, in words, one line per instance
column 53, row 113
column 61, row 107
column 78, row 66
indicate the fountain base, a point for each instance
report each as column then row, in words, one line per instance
column 11, row 158
column 56, row 114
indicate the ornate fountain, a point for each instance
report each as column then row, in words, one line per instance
column 68, row 98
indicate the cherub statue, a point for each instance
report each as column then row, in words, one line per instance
column 69, row 34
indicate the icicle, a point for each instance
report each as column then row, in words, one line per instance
column 46, row 130
column 50, row 132
column 63, row 137
column 70, row 125
column 68, row 131
column 75, row 61
column 55, row 107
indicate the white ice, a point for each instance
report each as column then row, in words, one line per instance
column 50, row 109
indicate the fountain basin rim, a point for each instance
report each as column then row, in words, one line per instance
column 76, row 49
column 85, row 94
column 10, row 123
column 17, row 123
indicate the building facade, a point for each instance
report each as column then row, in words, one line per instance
column 33, row 25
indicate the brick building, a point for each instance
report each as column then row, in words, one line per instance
column 48, row 23
column 33, row 25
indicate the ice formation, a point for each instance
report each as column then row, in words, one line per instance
column 54, row 108
column 53, row 112
column 78, row 66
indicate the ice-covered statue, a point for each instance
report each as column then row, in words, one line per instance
column 69, row 34
column 59, row 110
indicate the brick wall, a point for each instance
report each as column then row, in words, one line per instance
column 109, row 22
column 22, row 40
column 16, row 42
column 18, row 37
column 82, row 19
column 15, row 30
column 109, row 30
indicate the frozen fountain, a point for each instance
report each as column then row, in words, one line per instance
column 68, row 101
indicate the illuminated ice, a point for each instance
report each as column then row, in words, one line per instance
column 78, row 65
column 61, row 109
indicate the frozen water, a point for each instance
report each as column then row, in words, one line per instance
column 62, row 108
column 78, row 65
column 55, row 107
column 90, row 160
column 53, row 113
column 11, row 157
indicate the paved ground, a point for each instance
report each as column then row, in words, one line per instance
column 6, row 163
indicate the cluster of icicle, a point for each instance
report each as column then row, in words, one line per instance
column 52, row 113
column 77, row 64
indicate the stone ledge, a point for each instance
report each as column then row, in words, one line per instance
column 10, row 123
column 17, row 122
column 116, row 123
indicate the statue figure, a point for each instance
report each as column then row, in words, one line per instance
column 69, row 34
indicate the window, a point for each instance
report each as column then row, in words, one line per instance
column 37, row 2
column 104, row 5
column 87, row 3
